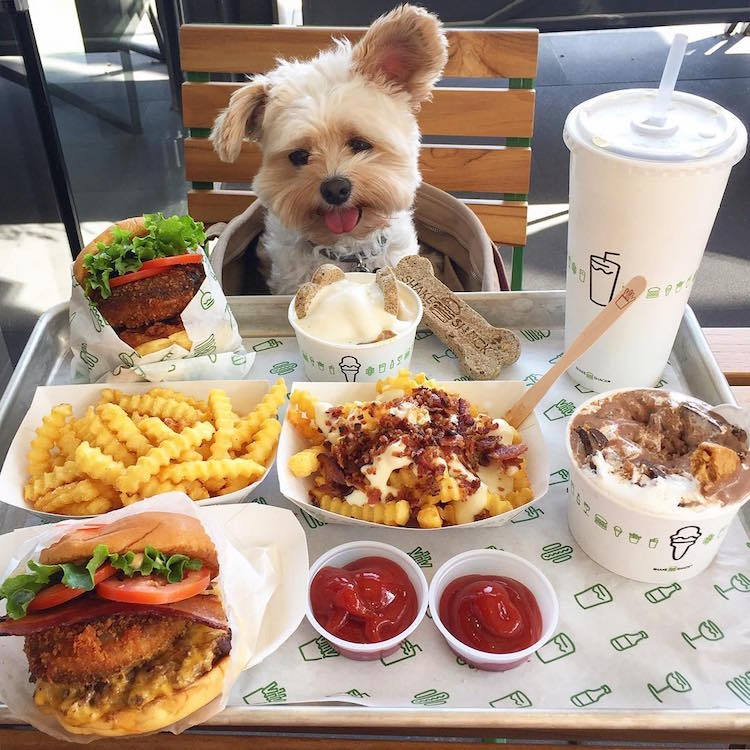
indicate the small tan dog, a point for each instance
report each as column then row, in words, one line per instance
column 340, row 147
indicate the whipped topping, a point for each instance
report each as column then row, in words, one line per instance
column 351, row 311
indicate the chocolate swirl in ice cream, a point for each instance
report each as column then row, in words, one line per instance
column 649, row 438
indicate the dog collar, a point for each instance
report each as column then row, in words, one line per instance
column 358, row 258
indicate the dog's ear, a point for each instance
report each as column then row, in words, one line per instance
column 405, row 49
column 241, row 119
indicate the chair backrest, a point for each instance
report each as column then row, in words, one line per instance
column 495, row 176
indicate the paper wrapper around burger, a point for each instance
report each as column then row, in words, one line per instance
column 100, row 355
column 482, row 349
column 246, row 584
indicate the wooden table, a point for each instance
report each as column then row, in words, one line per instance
column 731, row 347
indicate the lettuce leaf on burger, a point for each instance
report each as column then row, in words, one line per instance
column 141, row 273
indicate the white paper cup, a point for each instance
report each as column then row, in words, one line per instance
column 361, row 363
column 495, row 562
column 347, row 553
column 636, row 543
column 643, row 200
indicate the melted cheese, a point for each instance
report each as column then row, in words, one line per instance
column 504, row 431
column 356, row 497
column 474, row 504
column 379, row 471
column 190, row 657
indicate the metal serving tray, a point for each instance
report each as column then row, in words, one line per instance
column 46, row 361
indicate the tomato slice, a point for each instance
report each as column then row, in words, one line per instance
column 59, row 593
column 157, row 265
column 154, row 589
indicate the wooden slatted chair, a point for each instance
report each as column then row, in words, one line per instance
column 495, row 176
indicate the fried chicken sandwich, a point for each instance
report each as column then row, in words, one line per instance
column 141, row 273
column 124, row 631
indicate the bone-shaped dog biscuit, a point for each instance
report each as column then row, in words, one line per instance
column 386, row 280
column 482, row 349
column 323, row 276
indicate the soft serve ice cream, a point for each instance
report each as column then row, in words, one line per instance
column 354, row 327
column 351, row 311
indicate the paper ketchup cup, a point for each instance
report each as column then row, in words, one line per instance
column 495, row 562
column 361, row 363
column 347, row 553
column 636, row 542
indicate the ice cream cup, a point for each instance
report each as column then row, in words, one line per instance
column 495, row 562
column 347, row 553
column 360, row 363
column 639, row 543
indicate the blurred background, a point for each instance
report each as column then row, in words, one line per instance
column 112, row 72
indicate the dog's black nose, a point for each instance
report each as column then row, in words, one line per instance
column 336, row 190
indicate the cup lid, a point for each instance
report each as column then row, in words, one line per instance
column 695, row 128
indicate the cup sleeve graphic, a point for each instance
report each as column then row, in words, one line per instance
column 349, row 367
column 682, row 540
column 603, row 275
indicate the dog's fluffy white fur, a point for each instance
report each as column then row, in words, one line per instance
column 348, row 113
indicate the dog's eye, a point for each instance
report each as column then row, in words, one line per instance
column 299, row 157
column 359, row 144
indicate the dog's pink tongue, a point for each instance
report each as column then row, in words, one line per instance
column 341, row 220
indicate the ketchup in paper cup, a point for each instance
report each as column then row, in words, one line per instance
column 366, row 598
column 493, row 608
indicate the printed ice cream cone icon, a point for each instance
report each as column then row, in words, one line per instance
column 682, row 540
column 350, row 367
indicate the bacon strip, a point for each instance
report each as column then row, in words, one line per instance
column 204, row 608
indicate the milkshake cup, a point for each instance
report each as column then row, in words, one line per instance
column 644, row 193
column 327, row 361
column 645, row 539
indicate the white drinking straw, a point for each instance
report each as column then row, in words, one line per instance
column 658, row 114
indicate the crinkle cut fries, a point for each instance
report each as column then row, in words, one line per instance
column 131, row 446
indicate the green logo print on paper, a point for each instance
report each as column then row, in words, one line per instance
column 662, row 593
column 738, row 582
column 207, row 300
column 357, row 693
column 535, row 334
column 283, row 368
column 528, row 515
column 593, row 596
column 449, row 353
column 206, row 348
column 423, row 334
column 317, row 649
column 87, row 357
column 557, row 552
column 559, row 410
column 311, row 521
column 463, row 663
column 555, row 358
column 582, row 388
column 408, row 650
column 531, row 379
column 708, row 630
column 588, row 697
column 628, row 640
column 431, row 697
column 272, row 693
column 675, row 681
column 266, row 345
column 557, row 647
column 421, row 557
column 559, row 477
column 96, row 318
column 516, row 699
column 259, row 500
column 740, row 686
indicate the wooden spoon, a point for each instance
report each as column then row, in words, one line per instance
column 585, row 340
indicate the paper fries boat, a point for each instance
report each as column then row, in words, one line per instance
column 491, row 397
column 244, row 395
